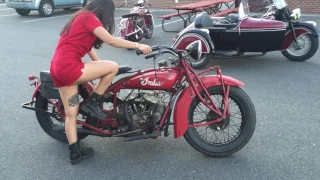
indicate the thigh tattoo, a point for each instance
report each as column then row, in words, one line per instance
column 74, row 100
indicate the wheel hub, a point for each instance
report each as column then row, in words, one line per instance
column 47, row 8
column 302, row 46
column 219, row 126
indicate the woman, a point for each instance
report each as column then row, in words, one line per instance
column 87, row 29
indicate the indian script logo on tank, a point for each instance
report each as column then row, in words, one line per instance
column 146, row 81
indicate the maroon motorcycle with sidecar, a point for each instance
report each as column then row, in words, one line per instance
column 236, row 34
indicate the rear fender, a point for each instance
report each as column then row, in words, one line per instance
column 300, row 29
column 191, row 35
column 181, row 109
column 87, row 86
column 127, row 23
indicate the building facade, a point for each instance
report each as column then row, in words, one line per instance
column 307, row 6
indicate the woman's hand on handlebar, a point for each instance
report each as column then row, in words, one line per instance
column 144, row 48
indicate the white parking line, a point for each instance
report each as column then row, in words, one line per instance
column 52, row 18
column 6, row 9
column 46, row 18
column 168, row 23
column 2, row 4
column 8, row 15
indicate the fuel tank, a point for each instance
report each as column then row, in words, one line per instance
column 155, row 80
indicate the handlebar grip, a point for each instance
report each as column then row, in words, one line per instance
column 153, row 48
column 150, row 55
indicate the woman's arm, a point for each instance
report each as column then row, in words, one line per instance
column 93, row 55
column 104, row 35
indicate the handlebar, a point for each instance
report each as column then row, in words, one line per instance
column 165, row 49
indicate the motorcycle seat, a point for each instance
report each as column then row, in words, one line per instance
column 130, row 15
column 203, row 21
column 123, row 69
column 233, row 17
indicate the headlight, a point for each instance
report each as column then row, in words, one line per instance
column 296, row 13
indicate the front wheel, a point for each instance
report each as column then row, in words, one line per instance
column 307, row 46
column 46, row 8
column 149, row 30
column 213, row 139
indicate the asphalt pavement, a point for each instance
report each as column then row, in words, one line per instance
column 285, row 144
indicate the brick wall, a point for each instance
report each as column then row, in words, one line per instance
column 307, row 6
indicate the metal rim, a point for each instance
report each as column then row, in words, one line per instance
column 47, row 8
column 304, row 41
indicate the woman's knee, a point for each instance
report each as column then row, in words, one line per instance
column 112, row 66
column 71, row 115
column 115, row 67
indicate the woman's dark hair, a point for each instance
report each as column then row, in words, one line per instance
column 104, row 10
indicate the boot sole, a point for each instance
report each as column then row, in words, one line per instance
column 73, row 162
column 87, row 110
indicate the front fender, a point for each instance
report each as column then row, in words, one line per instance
column 191, row 35
column 308, row 26
column 300, row 28
column 181, row 109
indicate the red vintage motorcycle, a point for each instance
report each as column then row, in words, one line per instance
column 205, row 109
column 137, row 24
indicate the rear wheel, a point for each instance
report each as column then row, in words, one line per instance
column 307, row 46
column 47, row 122
column 206, row 139
column 23, row 12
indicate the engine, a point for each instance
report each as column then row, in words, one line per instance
column 143, row 111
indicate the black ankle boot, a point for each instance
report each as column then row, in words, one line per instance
column 93, row 106
column 77, row 153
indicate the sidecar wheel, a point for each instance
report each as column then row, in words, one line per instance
column 310, row 45
column 46, row 121
column 246, row 127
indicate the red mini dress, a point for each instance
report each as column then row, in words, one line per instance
column 66, row 63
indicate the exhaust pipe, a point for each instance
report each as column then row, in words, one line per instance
column 59, row 128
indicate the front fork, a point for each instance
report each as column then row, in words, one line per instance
column 210, row 105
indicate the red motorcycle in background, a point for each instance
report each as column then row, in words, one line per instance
column 215, row 116
column 138, row 24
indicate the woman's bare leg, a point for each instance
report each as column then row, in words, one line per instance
column 70, row 99
column 95, row 69
column 91, row 71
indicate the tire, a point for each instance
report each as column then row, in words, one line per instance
column 201, row 63
column 247, row 125
column 46, row 8
column 149, row 35
column 23, row 12
column 44, row 120
column 311, row 50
